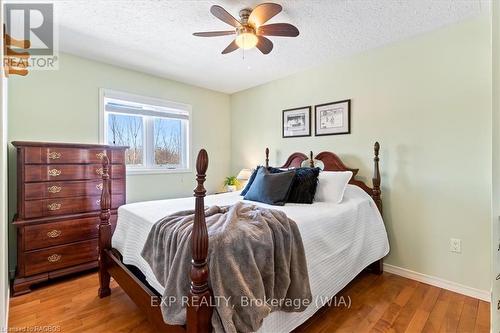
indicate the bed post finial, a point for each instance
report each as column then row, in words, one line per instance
column 199, row 311
column 104, row 230
column 267, row 157
column 311, row 159
column 376, row 178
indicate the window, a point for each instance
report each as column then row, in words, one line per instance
column 156, row 131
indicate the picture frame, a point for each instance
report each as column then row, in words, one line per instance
column 332, row 118
column 296, row 122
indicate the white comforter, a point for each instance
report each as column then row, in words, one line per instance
column 340, row 240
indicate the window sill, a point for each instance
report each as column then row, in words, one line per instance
column 132, row 172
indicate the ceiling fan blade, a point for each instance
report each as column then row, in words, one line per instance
column 263, row 13
column 214, row 33
column 224, row 16
column 278, row 29
column 264, row 45
column 231, row 47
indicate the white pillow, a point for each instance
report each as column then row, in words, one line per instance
column 331, row 186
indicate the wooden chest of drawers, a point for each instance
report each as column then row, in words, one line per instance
column 58, row 202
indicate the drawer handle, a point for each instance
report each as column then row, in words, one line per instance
column 54, row 189
column 53, row 155
column 54, row 172
column 98, row 202
column 99, row 171
column 54, row 233
column 54, row 258
column 99, row 187
column 100, row 155
column 54, row 206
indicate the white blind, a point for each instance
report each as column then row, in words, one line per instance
column 116, row 106
column 120, row 102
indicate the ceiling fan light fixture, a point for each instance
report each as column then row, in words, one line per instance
column 246, row 40
column 250, row 31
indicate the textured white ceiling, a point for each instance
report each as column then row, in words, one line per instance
column 155, row 36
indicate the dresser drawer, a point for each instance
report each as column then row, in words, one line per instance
column 37, row 173
column 34, row 191
column 56, row 233
column 56, row 155
column 57, row 257
column 74, row 205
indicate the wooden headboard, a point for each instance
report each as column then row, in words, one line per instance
column 332, row 162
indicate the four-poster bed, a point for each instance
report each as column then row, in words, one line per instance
column 199, row 309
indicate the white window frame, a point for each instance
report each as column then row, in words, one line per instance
column 148, row 136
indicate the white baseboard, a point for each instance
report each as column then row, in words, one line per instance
column 439, row 282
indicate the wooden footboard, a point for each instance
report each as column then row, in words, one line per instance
column 145, row 298
column 199, row 309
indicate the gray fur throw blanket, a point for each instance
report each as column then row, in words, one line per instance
column 256, row 261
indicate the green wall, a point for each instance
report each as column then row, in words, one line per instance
column 428, row 101
column 63, row 106
column 495, row 218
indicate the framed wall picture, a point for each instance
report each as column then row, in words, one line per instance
column 297, row 122
column 333, row 118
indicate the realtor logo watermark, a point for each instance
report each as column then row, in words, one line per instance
column 36, row 23
column 245, row 301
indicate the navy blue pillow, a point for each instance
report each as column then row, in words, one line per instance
column 304, row 185
column 270, row 188
column 252, row 177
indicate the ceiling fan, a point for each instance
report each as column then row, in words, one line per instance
column 249, row 30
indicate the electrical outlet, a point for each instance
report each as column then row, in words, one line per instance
column 455, row 245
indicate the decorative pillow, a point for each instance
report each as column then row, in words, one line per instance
column 252, row 177
column 250, row 180
column 276, row 170
column 331, row 186
column 270, row 188
column 304, row 185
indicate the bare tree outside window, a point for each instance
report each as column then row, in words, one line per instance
column 167, row 141
column 127, row 130
column 117, row 132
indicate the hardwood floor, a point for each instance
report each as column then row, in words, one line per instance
column 384, row 303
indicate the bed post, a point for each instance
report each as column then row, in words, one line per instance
column 267, row 157
column 376, row 179
column 378, row 266
column 311, row 159
column 199, row 310
column 104, row 230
